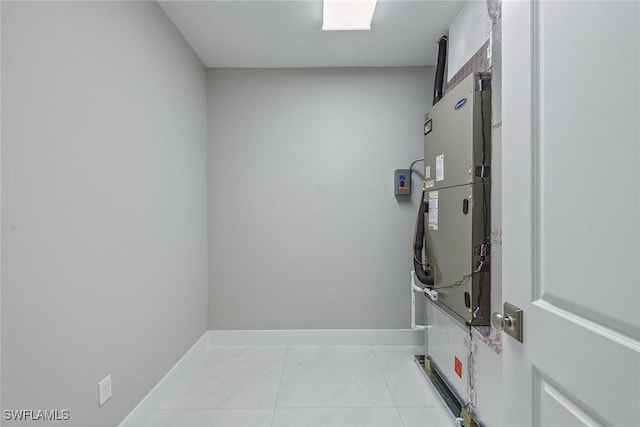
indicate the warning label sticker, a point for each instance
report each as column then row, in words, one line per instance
column 457, row 366
column 433, row 210
column 440, row 167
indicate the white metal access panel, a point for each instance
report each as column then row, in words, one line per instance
column 571, row 212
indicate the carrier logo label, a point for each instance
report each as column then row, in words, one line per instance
column 461, row 103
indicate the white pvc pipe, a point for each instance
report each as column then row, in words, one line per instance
column 428, row 292
column 413, row 313
column 414, row 289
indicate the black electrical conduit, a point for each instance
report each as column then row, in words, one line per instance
column 420, row 265
column 422, row 269
column 442, row 60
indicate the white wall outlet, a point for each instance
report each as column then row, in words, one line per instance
column 104, row 390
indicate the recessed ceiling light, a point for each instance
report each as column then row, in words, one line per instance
column 340, row 15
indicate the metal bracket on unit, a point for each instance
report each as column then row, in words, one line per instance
column 484, row 82
column 482, row 171
column 482, row 267
column 483, row 249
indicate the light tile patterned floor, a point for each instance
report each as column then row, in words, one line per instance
column 302, row 386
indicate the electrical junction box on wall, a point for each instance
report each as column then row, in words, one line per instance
column 402, row 181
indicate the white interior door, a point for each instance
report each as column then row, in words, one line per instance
column 571, row 213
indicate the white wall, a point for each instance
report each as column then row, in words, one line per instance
column 103, row 204
column 304, row 229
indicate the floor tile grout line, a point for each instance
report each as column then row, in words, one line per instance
column 242, row 408
column 239, row 408
column 387, row 375
column 287, row 408
column 395, row 404
column 343, row 407
column 275, row 406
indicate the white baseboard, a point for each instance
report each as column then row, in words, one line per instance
column 146, row 409
column 318, row 337
column 148, row 406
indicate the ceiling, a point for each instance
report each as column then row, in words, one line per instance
column 287, row 34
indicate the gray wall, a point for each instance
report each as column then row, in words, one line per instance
column 1, row 406
column 103, row 203
column 304, row 229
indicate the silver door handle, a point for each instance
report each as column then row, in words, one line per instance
column 509, row 322
column 500, row 321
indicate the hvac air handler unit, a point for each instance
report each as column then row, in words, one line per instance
column 456, row 197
